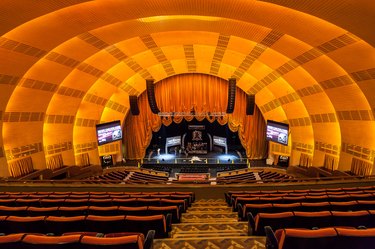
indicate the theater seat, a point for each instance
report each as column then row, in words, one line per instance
column 351, row 219
column 106, row 224
column 59, row 225
column 51, row 242
column 325, row 238
column 312, row 219
column 276, row 221
column 17, row 224
column 143, row 224
column 125, row 242
column 356, row 238
column 11, row 241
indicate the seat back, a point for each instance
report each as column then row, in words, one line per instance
column 351, row 219
column 106, row 224
column 308, row 239
column 73, row 211
column 312, row 219
column 103, row 211
column 123, row 242
column 11, row 241
column 355, row 238
column 275, row 221
column 17, row 224
column 143, row 224
column 59, row 225
column 51, row 242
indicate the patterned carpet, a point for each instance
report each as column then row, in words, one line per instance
column 210, row 224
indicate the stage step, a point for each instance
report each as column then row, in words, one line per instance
column 220, row 242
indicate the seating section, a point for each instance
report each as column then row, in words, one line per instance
column 311, row 208
column 77, row 241
column 325, row 238
column 253, row 176
column 129, row 177
column 59, row 213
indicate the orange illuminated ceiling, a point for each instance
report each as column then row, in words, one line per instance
column 67, row 65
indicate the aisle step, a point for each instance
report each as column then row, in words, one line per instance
column 206, row 227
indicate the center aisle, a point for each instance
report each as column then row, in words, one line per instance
column 210, row 224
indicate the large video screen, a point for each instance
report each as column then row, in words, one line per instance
column 277, row 132
column 108, row 132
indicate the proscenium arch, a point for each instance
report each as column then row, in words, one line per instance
column 29, row 37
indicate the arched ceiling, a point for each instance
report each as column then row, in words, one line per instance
column 67, row 65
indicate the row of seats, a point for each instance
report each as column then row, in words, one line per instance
column 77, row 241
column 292, row 192
column 255, row 208
column 24, row 211
column 131, row 177
column 235, row 178
column 310, row 220
column 325, row 238
column 129, row 202
column 307, row 198
column 91, row 223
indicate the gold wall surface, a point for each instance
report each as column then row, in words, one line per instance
column 69, row 65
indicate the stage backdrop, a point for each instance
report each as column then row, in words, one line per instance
column 203, row 93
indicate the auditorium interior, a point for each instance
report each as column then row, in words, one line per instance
column 187, row 124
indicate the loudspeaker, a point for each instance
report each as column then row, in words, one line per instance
column 231, row 95
column 250, row 104
column 151, row 96
column 133, row 101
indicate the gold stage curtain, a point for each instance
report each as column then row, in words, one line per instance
column 202, row 94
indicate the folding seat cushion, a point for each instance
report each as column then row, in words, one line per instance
column 312, row 219
column 275, row 221
column 125, row 242
column 143, row 224
column 31, row 241
column 11, row 241
column 350, row 219
column 132, row 210
column 103, row 211
column 59, row 225
column 355, row 238
column 43, row 211
column 308, row 239
column 315, row 206
column 106, row 224
column 73, row 211
column 16, row 224
column 16, row 211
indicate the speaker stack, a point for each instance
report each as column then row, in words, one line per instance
column 231, row 95
column 250, row 103
column 133, row 101
column 151, row 96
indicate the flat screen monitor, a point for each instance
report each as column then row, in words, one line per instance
column 221, row 141
column 109, row 132
column 277, row 132
column 173, row 141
